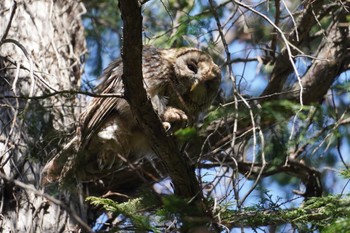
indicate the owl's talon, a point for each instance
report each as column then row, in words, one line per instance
column 166, row 126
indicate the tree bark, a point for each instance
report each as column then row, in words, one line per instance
column 39, row 54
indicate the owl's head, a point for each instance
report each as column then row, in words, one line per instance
column 197, row 79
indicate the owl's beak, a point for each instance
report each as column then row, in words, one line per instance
column 194, row 85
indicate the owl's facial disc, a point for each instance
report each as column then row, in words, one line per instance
column 210, row 77
column 190, row 67
column 198, row 79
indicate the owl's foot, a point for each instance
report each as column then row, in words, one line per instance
column 174, row 118
column 173, row 115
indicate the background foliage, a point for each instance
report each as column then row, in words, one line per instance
column 245, row 41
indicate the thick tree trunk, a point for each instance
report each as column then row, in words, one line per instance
column 40, row 52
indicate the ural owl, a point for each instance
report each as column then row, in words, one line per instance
column 180, row 82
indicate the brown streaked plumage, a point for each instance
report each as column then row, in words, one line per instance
column 180, row 83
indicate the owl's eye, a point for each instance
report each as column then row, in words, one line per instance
column 192, row 67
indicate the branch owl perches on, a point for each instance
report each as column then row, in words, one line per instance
column 180, row 83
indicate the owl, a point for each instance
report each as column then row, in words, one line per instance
column 180, row 83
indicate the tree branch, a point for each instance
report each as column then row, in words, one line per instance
column 283, row 66
column 332, row 59
column 183, row 176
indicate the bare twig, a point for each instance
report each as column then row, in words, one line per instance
column 64, row 92
column 293, row 20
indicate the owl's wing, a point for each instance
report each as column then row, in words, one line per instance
column 157, row 72
column 102, row 108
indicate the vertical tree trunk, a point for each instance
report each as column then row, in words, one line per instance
column 39, row 55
